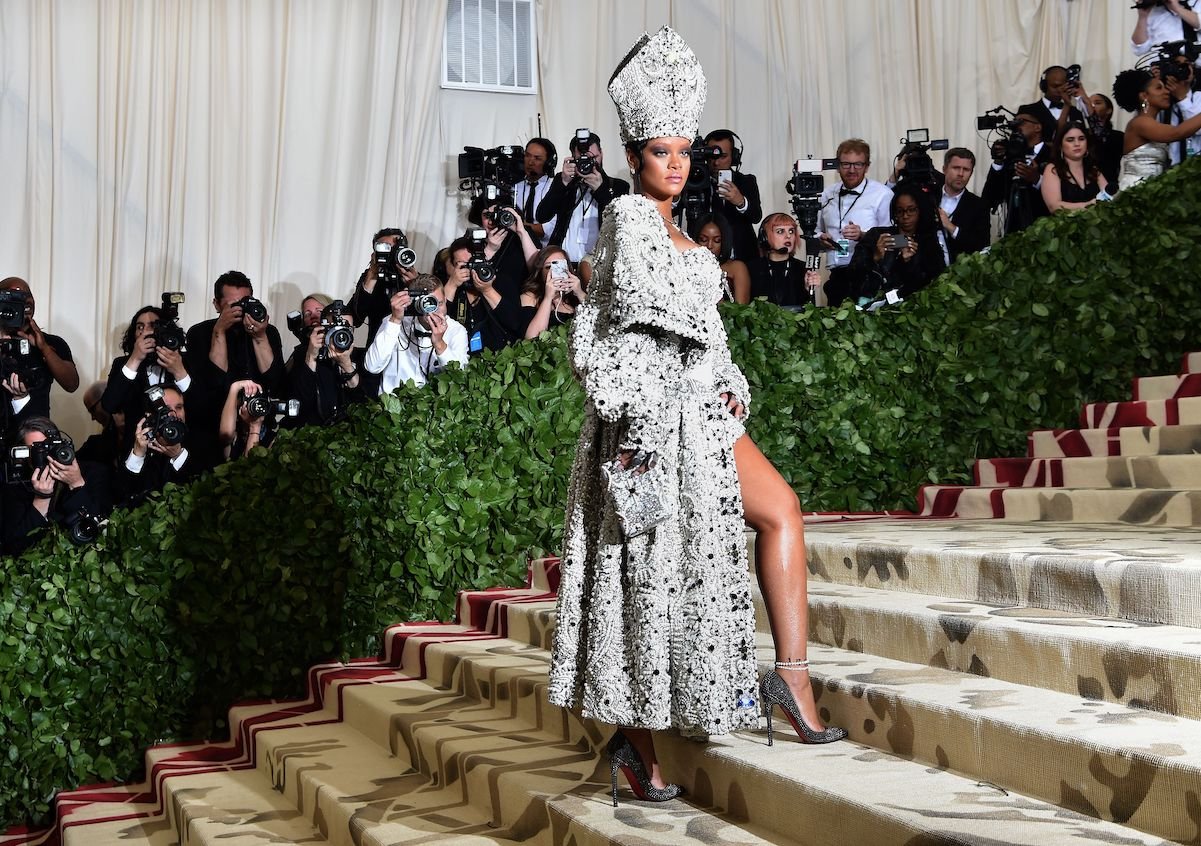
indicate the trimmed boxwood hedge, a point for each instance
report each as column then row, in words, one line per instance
column 232, row 587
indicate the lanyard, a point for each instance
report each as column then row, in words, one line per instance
column 842, row 215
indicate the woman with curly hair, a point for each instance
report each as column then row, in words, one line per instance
column 1146, row 145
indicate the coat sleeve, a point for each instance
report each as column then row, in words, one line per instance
column 729, row 379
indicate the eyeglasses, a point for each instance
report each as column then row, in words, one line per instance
column 906, row 210
column 852, row 165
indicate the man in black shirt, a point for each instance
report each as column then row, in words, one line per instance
column 231, row 347
column 577, row 200
column 49, row 358
column 1015, row 185
column 737, row 198
column 153, row 461
column 324, row 379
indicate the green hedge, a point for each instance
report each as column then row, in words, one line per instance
column 232, row 587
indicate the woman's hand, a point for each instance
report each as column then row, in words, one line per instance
column 733, row 405
column 910, row 250
column 813, row 280
column 883, row 245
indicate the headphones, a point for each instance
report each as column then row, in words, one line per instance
column 762, row 237
column 1042, row 80
column 736, row 145
column 552, row 155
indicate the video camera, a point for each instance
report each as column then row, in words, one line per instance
column 1004, row 123
column 1167, row 53
column 479, row 263
column 503, row 166
column 390, row 260
column 165, row 427
column 915, row 150
column 12, row 310
column 167, row 333
column 701, row 184
column 805, row 189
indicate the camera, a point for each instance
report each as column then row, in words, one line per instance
column 805, row 188
column 915, row 150
column 254, row 308
column 584, row 161
column 16, row 357
column 12, row 310
column 338, row 336
column 503, row 165
column 264, row 407
column 1166, row 55
column 165, row 427
column 167, row 333
column 83, row 526
column 501, row 218
column 37, row 456
column 479, row 263
column 389, row 260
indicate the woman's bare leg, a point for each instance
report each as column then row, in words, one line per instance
column 772, row 509
column 644, row 744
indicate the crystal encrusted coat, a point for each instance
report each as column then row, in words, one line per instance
column 656, row 631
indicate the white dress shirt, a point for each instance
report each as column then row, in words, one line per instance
column 520, row 191
column 1162, row 25
column 583, row 229
column 1189, row 107
column 867, row 208
column 403, row 354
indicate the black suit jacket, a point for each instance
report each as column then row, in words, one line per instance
column 561, row 200
column 746, row 246
column 971, row 216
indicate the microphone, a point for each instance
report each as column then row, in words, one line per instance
column 779, row 250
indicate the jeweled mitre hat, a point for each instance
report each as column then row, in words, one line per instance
column 658, row 88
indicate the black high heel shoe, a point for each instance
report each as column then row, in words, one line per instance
column 773, row 690
column 623, row 756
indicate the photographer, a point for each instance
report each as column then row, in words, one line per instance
column 239, row 344
column 1013, row 180
column 539, row 162
column 162, row 450
column 369, row 302
column 144, row 365
column 899, row 260
column 242, row 426
column 323, row 371
column 577, row 199
column 1049, row 110
column 49, row 359
column 104, row 447
column 1106, row 141
column 552, row 292
column 737, row 197
column 415, row 343
column 1163, row 20
column 55, row 492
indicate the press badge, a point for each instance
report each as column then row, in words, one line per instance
column 476, row 343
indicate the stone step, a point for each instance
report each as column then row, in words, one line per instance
column 1136, row 767
column 1146, row 573
column 1185, row 411
column 1167, row 387
column 1101, row 658
column 1146, row 506
column 1166, row 472
column 1124, row 441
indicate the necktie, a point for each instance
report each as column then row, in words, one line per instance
column 528, row 211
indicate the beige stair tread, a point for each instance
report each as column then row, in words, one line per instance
column 1127, row 441
column 993, row 730
column 1168, row 472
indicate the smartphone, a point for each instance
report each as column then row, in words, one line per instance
column 558, row 269
column 725, row 175
column 899, row 241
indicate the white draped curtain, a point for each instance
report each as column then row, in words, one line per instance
column 148, row 146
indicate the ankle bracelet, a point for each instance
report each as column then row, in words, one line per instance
column 793, row 665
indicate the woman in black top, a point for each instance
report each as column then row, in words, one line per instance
column 902, row 258
column 1072, row 180
column 777, row 275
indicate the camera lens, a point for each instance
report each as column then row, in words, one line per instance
column 340, row 338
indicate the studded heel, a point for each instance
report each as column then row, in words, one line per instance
column 623, row 756
column 773, row 690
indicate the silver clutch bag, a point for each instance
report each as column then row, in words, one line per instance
column 640, row 498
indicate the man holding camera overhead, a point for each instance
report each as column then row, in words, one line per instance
column 52, row 486
column 240, row 343
column 1164, row 20
column 417, row 340
column 577, row 199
